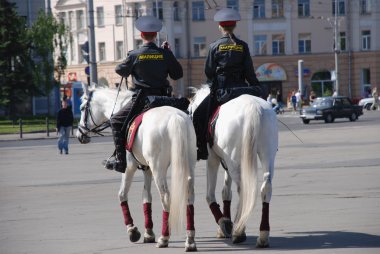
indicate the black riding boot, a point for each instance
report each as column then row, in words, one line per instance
column 119, row 163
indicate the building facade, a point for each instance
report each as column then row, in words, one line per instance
column 278, row 32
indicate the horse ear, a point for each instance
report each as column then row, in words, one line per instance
column 92, row 85
column 85, row 89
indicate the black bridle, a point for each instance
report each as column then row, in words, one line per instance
column 84, row 130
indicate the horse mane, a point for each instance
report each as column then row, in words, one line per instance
column 106, row 98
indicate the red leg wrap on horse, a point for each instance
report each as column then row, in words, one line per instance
column 264, row 225
column 227, row 208
column 216, row 211
column 190, row 217
column 165, row 223
column 127, row 215
column 148, row 215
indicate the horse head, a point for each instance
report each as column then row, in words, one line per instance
column 98, row 105
column 198, row 96
column 91, row 116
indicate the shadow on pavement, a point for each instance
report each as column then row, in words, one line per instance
column 302, row 241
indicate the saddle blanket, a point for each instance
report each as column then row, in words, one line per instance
column 211, row 126
column 132, row 130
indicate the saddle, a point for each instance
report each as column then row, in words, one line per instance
column 223, row 96
column 227, row 94
column 152, row 102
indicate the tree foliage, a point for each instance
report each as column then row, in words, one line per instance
column 27, row 55
column 15, row 62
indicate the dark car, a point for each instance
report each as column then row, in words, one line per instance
column 329, row 108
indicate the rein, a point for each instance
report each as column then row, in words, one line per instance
column 98, row 128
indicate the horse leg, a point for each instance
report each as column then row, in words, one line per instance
column 162, row 186
column 126, row 181
column 149, row 236
column 226, row 196
column 190, row 238
column 266, row 195
column 225, row 224
column 237, row 237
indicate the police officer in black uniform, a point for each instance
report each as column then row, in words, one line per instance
column 228, row 65
column 149, row 66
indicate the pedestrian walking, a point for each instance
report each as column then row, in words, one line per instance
column 375, row 96
column 65, row 119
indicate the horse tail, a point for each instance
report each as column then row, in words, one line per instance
column 179, row 130
column 249, row 166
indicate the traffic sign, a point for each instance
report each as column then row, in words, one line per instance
column 87, row 70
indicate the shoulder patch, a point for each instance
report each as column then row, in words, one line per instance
column 230, row 47
column 153, row 57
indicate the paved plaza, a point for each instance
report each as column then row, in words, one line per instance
column 326, row 196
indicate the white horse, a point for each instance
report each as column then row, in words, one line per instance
column 245, row 130
column 166, row 137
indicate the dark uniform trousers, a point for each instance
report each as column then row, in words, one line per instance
column 201, row 118
column 120, row 120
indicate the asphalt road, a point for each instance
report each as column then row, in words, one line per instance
column 326, row 196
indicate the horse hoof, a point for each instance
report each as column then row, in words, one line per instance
column 162, row 242
column 263, row 240
column 219, row 234
column 239, row 238
column 149, row 236
column 226, row 226
column 134, row 234
column 190, row 245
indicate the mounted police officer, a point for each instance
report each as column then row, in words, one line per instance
column 228, row 65
column 150, row 67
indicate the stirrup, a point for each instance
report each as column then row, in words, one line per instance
column 108, row 164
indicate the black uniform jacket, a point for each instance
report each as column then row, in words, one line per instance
column 229, row 64
column 150, row 66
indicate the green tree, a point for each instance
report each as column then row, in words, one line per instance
column 48, row 38
column 16, row 83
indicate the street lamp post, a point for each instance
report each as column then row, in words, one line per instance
column 336, row 47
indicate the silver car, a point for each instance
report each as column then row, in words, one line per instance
column 366, row 103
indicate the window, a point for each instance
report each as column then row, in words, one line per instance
column 366, row 40
column 365, row 7
column 303, row 8
column 100, row 16
column 138, row 43
column 119, row 50
column 341, row 7
column 80, row 20
column 233, row 4
column 138, row 10
column 102, row 51
column 366, row 81
column 198, row 8
column 199, row 46
column 277, row 8
column 71, row 20
column 81, row 56
column 259, row 9
column 177, row 48
column 342, row 41
column 118, row 15
column 62, row 18
column 260, row 44
column 304, row 43
column 176, row 15
column 278, row 44
column 159, row 9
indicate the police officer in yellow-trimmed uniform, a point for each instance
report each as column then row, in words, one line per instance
column 150, row 67
column 228, row 65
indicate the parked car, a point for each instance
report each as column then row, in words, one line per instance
column 329, row 108
column 366, row 103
